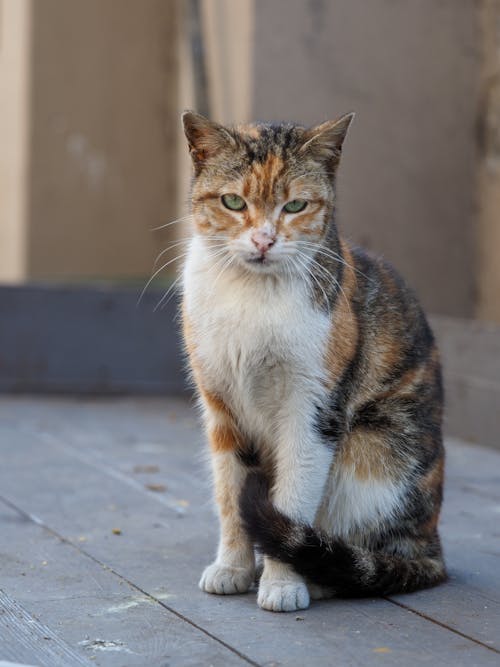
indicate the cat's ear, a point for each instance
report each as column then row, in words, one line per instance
column 325, row 140
column 205, row 138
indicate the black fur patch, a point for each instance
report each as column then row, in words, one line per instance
column 249, row 457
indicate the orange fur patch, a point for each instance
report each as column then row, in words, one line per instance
column 216, row 404
column 344, row 327
column 367, row 453
column 414, row 377
column 434, row 477
column 260, row 183
column 432, row 482
column 222, row 438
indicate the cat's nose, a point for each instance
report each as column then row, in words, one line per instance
column 262, row 240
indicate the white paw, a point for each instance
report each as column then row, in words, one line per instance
column 226, row 580
column 283, row 595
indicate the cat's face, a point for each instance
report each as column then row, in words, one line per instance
column 264, row 194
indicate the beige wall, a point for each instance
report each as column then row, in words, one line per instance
column 15, row 43
column 230, row 46
column 488, row 307
column 410, row 70
column 103, row 168
column 102, row 140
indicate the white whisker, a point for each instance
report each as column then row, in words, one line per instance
column 186, row 240
column 332, row 277
column 172, row 222
column 164, row 266
column 171, row 290
column 332, row 254
column 307, row 268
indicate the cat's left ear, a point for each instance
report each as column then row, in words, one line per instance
column 206, row 138
column 325, row 140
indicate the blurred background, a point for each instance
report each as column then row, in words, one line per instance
column 92, row 160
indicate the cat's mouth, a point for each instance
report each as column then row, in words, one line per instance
column 260, row 259
column 261, row 262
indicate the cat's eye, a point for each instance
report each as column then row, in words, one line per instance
column 295, row 206
column 233, row 202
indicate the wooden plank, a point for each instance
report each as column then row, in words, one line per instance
column 100, row 616
column 88, row 340
column 163, row 550
column 24, row 638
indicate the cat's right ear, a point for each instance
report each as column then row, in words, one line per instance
column 205, row 138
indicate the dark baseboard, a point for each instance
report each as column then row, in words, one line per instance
column 88, row 340
column 470, row 352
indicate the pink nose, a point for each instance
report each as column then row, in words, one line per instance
column 262, row 240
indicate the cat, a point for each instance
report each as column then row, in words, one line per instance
column 317, row 373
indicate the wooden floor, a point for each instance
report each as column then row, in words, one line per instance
column 106, row 523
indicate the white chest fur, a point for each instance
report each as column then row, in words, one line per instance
column 259, row 340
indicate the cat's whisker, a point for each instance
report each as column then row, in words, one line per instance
column 168, row 294
column 179, row 242
column 288, row 263
column 184, row 218
column 319, row 247
column 164, row 266
column 311, row 273
column 168, row 248
column 225, row 266
column 171, row 290
column 333, row 278
column 333, row 255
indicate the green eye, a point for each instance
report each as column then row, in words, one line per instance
column 295, row 206
column 233, row 202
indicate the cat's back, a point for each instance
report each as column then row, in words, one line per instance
column 394, row 335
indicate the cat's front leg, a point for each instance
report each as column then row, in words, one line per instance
column 302, row 465
column 233, row 570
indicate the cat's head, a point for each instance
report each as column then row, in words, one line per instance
column 263, row 192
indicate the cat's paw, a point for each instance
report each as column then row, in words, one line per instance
column 283, row 595
column 226, row 580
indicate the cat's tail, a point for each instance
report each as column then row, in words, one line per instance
column 348, row 570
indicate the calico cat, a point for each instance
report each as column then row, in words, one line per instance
column 318, row 376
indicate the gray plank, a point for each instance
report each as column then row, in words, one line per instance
column 163, row 550
column 25, row 638
column 100, row 616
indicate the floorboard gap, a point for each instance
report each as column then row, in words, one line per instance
column 441, row 624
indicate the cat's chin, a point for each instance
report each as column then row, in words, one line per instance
column 261, row 264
